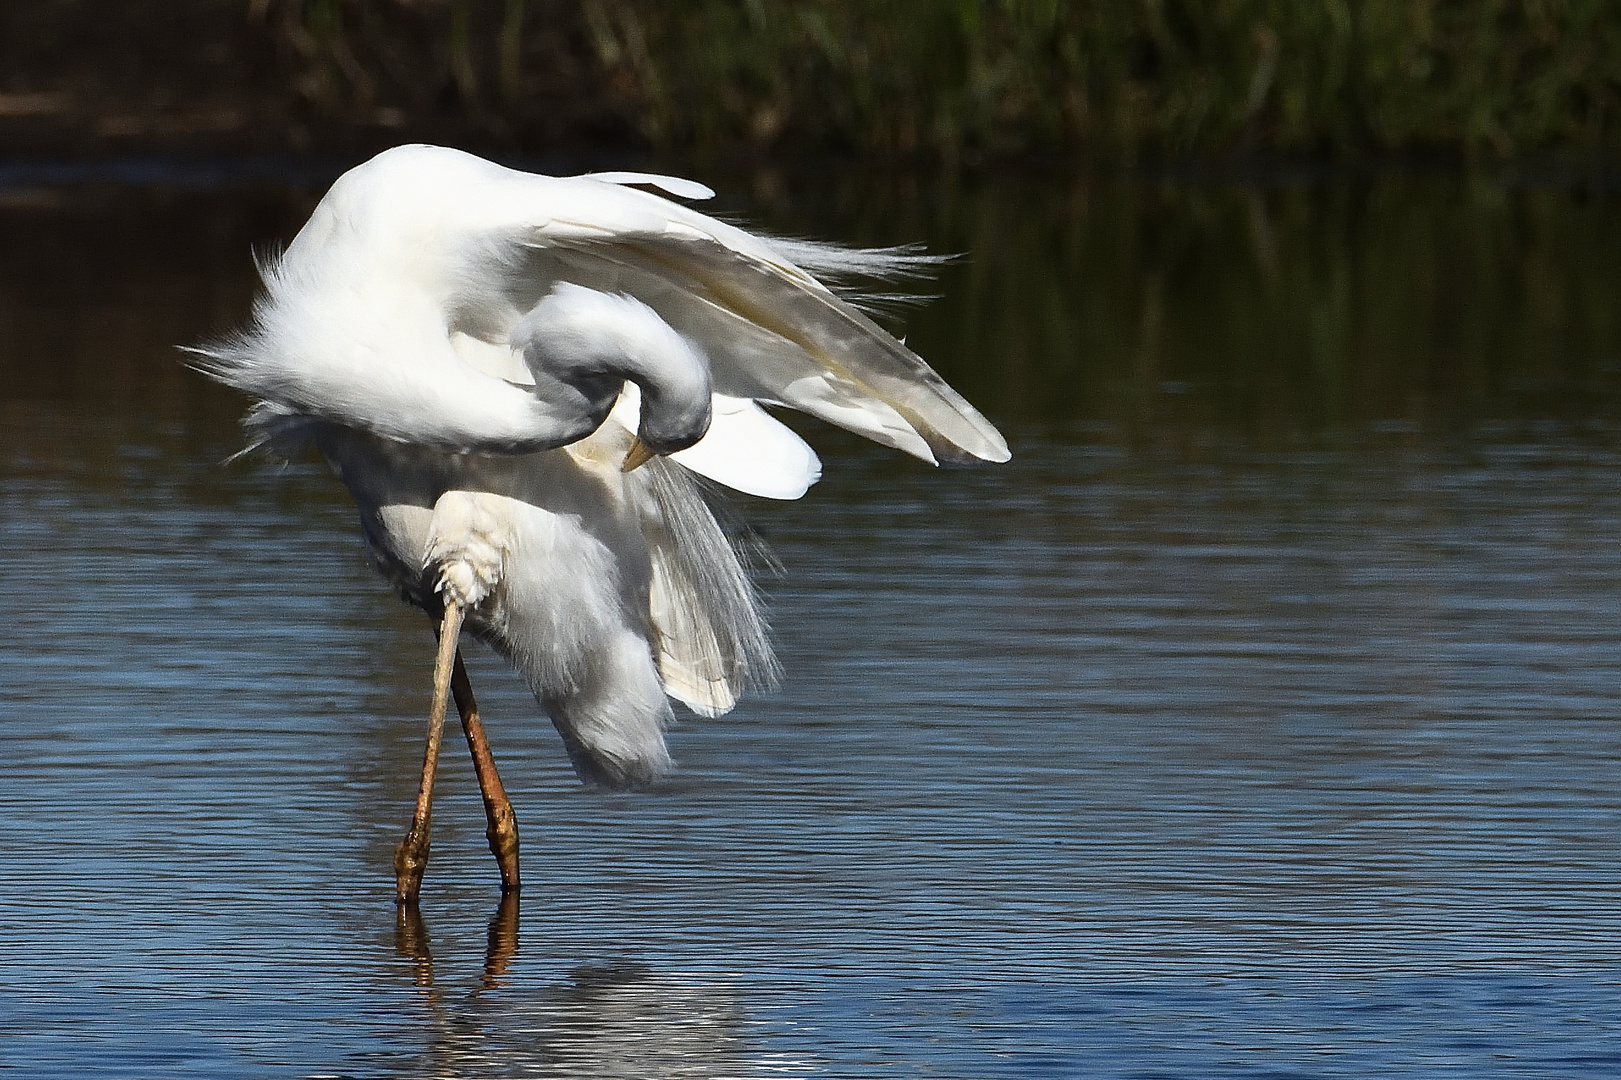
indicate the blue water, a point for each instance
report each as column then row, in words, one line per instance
column 1259, row 719
column 1086, row 766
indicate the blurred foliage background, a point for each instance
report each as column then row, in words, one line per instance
column 1115, row 80
column 1123, row 77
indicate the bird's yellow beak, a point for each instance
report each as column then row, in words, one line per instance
column 637, row 456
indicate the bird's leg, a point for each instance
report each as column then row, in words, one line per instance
column 503, row 831
column 465, row 554
column 411, row 857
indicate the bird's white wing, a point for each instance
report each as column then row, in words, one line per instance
column 772, row 332
column 392, row 309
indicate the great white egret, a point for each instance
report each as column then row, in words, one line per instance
column 486, row 356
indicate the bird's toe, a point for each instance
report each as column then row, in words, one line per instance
column 467, row 546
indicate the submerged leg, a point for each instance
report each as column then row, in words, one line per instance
column 503, row 830
column 411, row 857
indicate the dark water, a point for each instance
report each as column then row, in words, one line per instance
column 1261, row 718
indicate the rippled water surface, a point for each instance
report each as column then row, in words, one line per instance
column 1249, row 723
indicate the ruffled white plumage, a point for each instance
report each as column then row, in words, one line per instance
column 392, row 332
column 423, row 244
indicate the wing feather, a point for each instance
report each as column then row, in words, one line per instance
column 746, row 360
column 836, row 336
column 776, row 334
column 673, row 185
column 392, row 308
column 772, row 330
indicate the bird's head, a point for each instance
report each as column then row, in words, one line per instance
column 583, row 345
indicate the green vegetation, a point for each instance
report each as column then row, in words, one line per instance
column 1120, row 79
column 1125, row 77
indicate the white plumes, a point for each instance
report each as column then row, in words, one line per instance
column 422, row 243
column 712, row 638
column 843, row 263
column 452, row 335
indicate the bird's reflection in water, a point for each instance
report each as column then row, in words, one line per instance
column 614, row 1019
column 411, row 941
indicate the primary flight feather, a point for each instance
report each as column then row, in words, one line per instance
column 517, row 377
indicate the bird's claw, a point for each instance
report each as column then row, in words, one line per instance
column 465, row 583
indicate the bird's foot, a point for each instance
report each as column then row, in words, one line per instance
column 466, row 544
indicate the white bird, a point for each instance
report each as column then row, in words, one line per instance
column 486, row 356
